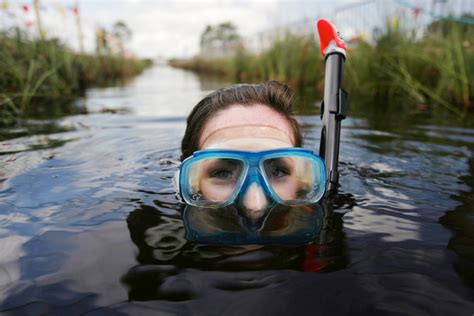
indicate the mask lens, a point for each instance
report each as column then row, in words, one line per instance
column 294, row 179
column 213, row 180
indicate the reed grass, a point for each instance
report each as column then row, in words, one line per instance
column 402, row 71
column 397, row 71
column 44, row 76
column 292, row 59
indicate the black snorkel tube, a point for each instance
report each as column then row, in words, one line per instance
column 334, row 105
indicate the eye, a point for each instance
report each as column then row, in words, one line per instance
column 222, row 174
column 277, row 168
column 278, row 172
column 221, row 170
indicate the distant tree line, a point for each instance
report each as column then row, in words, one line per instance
column 219, row 40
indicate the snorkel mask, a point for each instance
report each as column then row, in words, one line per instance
column 215, row 178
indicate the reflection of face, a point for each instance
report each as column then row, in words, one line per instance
column 251, row 127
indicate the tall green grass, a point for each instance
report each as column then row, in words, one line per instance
column 42, row 77
column 402, row 71
column 398, row 72
column 293, row 59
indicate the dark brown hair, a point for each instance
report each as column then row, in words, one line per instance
column 276, row 95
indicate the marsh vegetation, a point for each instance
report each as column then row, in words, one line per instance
column 42, row 78
column 400, row 70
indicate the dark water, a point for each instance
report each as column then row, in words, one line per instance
column 89, row 223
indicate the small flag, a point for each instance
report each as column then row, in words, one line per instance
column 60, row 9
column 394, row 22
column 4, row 5
column 416, row 12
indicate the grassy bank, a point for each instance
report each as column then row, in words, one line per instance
column 398, row 71
column 295, row 60
column 41, row 78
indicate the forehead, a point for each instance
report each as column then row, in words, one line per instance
column 248, row 125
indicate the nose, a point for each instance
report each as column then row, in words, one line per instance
column 254, row 201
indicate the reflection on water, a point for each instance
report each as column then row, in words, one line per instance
column 281, row 225
column 159, row 92
column 164, row 239
column 216, row 240
column 461, row 222
column 89, row 220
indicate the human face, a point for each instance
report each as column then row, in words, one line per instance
column 251, row 127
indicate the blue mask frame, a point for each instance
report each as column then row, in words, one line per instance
column 252, row 172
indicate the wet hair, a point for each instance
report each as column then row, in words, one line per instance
column 275, row 95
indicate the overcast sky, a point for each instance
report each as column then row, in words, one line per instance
column 172, row 28
column 164, row 27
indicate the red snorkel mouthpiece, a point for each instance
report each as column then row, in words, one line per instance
column 329, row 39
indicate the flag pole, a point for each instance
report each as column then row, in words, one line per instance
column 38, row 19
column 79, row 27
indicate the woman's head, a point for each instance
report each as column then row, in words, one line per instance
column 251, row 117
column 243, row 116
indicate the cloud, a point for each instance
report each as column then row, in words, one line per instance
column 160, row 28
column 173, row 28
